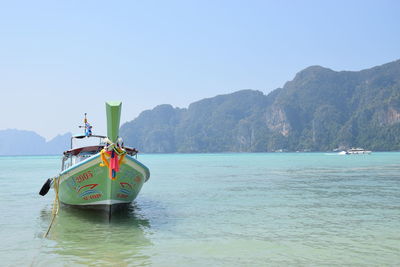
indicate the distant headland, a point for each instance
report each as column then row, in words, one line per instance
column 319, row 110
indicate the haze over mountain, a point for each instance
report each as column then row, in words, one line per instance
column 20, row 142
column 319, row 110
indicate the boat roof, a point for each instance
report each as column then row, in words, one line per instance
column 96, row 149
column 80, row 136
column 79, row 150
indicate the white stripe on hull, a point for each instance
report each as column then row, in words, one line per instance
column 102, row 202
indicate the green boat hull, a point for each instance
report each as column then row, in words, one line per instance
column 87, row 184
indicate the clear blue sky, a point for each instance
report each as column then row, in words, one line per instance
column 59, row 59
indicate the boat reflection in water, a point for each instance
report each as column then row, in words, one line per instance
column 82, row 237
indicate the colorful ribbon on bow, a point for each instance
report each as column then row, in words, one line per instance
column 116, row 156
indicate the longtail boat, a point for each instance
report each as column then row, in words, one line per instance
column 104, row 175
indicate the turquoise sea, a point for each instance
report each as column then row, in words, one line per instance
column 272, row 209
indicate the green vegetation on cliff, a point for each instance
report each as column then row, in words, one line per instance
column 318, row 110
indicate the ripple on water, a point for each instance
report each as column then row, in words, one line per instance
column 219, row 210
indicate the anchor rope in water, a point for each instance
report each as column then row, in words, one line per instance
column 56, row 203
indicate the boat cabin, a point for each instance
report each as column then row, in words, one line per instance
column 83, row 147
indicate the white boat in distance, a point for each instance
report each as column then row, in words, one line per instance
column 353, row 151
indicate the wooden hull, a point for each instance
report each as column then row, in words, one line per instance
column 88, row 185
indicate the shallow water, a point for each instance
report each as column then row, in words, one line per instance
column 215, row 209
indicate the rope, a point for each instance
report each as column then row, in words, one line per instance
column 56, row 204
